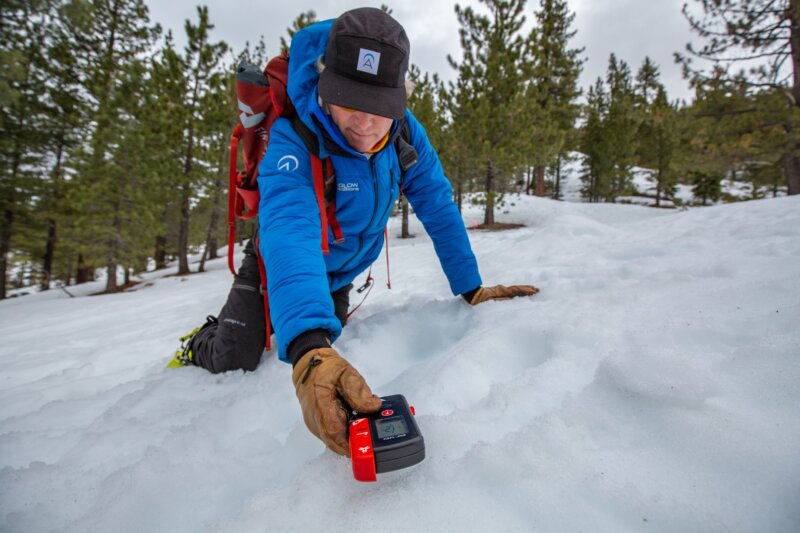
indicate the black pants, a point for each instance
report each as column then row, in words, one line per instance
column 237, row 340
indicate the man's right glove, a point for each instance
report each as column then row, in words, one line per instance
column 501, row 292
column 322, row 379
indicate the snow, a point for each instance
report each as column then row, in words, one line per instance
column 653, row 385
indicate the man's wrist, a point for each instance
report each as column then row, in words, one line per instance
column 305, row 342
column 469, row 295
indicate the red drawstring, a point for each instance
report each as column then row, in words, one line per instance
column 388, row 276
column 367, row 286
column 262, row 272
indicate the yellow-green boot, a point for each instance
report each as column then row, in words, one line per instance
column 183, row 357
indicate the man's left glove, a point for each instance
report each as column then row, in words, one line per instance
column 501, row 292
column 322, row 379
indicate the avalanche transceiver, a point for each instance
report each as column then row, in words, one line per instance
column 384, row 441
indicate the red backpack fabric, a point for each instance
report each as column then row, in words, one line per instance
column 263, row 99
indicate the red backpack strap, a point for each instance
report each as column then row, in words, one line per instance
column 262, row 272
column 234, row 178
column 330, row 200
column 319, row 192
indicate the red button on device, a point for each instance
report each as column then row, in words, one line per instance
column 362, row 456
column 387, row 412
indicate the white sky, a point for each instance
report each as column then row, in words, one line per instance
column 632, row 29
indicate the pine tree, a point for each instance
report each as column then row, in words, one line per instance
column 66, row 116
column 716, row 142
column 766, row 32
column 110, row 38
column 554, row 88
column 597, row 164
column 201, row 62
column 493, row 74
column 621, row 127
column 424, row 103
column 24, row 34
column 658, row 142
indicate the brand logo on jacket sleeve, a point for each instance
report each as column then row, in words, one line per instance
column 288, row 163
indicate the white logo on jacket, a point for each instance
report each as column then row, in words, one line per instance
column 347, row 187
column 288, row 163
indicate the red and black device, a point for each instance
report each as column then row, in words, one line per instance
column 385, row 441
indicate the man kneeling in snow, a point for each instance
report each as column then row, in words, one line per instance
column 347, row 83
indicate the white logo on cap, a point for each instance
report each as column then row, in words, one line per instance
column 368, row 61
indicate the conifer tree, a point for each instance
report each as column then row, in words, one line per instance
column 424, row 103
column 110, row 38
column 493, row 74
column 66, row 116
column 764, row 32
column 597, row 164
column 201, row 63
column 554, row 87
column 717, row 141
column 23, row 37
column 658, row 142
column 621, row 126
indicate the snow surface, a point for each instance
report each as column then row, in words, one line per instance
column 653, row 385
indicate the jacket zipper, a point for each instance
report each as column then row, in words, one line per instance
column 372, row 218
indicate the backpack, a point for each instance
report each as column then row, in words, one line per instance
column 262, row 99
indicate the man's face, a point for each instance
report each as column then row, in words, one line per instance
column 362, row 130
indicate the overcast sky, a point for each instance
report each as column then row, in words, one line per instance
column 632, row 29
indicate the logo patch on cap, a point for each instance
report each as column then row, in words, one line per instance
column 368, row 61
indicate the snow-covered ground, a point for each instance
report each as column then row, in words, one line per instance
column 653, row 385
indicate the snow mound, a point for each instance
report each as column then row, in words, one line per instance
column 652, row 385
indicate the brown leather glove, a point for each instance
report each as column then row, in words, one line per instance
column 322, row 378
column 501, row 292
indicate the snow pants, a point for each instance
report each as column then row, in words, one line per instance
column 236, row 340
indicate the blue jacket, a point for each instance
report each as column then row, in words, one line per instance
column 299, row 278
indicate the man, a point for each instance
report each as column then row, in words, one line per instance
column 347, row 83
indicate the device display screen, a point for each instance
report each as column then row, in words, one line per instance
column 391, row 427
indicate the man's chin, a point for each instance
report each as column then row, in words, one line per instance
column 360, row 145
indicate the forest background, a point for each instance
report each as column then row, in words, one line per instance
column 114, row 142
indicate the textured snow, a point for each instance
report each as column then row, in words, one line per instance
column 653, row 385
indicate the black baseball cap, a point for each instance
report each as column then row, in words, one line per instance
column 366, row 60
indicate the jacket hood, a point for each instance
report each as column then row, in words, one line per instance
column 307, row 45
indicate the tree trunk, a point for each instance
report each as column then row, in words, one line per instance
column 460, row 194
column 240, row 231
column 557, row 191
column 5, row 247
column 49, row 252
column 160, row 254
column 791, row 169
column 488, row 217
column 84, row 273
column 183, row 236
column 528, row 180
column 791, row 160
column 658, row 189
column 213, row 227
column 50, row 246
column 111, row 282
column 540, row 181
column 404, row 233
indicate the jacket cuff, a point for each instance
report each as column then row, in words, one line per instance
column 469, row 295
column 305, row 342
